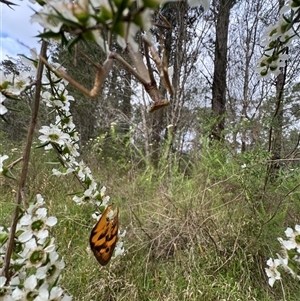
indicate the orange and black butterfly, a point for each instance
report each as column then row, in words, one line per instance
column 104, row 235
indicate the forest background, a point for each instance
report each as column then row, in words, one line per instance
column 204, row 186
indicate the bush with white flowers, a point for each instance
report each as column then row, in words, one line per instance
column 276, row 40
column 30, row 265
column 35, row 266
column 289, row 260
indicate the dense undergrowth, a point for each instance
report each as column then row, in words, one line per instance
column 204, row 234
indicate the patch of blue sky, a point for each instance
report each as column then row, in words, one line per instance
column 17, row 33
column 10, row 47
column 3, row 34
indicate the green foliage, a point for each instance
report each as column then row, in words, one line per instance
column 205, row 236
column 112, row 148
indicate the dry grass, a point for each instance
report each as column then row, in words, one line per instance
column 187, row 238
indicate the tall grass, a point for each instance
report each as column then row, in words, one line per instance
column 205, row 235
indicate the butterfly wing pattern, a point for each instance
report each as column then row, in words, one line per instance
column 104, row 235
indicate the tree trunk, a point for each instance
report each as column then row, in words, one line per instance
column 275, row 136
column 220, row 64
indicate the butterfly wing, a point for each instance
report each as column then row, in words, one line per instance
column 104, row 236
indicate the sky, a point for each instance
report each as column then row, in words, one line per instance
column 16, row 29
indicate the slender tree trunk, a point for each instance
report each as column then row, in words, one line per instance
column 126, row 107
column 275, row 136
column 157, row 127
column 220, row 66
column 275, row 142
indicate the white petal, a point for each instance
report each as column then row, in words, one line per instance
column 55, row 292
column 42, row 235
column 50, row 248
column 2, row 281
column 41, row 272
column 3, row 109
column 53, row 257
column 15, row 281
column 17, row 294
column 297, row 228
column 25, row 236
column 289, row 232
column 51, row 221
column 271, row 281
column 26, row 220
column 41, row 212
column 30, row 283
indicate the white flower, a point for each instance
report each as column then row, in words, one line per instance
column 2, row 158
column 47, row 22
column 53, row 134
column 55, row 266
column 3, row 109
column 5, row 291
column 88, row 195
column 29, row 245
column 84, row 172
column 119, row 249
column 272, row 271
column 29, row 289
column 58, row 173
column 105, row 200
column 102, row 191
column 33, row 207
column 73, row 147
column 294, row 239
column 43, row 293
column 37, row 225
column 36, row 257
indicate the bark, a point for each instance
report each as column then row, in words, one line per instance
column 220, row 67
column 275, row 135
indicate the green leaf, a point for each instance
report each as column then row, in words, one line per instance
column 3, row 238
column 59, row 17
column 3, row 118
column 49, row 35
column 119, row 28
column 151, row 3
column 104, row 15
column 138, row 20
column 7, row 173
column 72, row 42
column 42, row 145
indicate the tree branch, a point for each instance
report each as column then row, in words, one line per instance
column 26, row 157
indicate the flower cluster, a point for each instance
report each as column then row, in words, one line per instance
column 13, row 84
column 35, row 266
column 277, row 38
column 63, row 138
column 290, row 261
column 84, row 18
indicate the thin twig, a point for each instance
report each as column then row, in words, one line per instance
column 11, row 165
column 117, row 57
column 26, row 157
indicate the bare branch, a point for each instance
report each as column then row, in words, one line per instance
column 8, row 3
column 26, row 156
